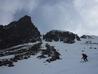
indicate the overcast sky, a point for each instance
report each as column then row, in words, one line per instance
column 78, row 16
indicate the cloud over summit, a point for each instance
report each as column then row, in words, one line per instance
column 79, row 16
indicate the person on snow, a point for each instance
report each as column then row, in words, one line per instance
column 84, row 57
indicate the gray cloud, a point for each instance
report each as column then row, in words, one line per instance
column 88, row 11
column 79, row 16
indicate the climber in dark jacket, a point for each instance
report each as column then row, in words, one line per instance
column 84, row 57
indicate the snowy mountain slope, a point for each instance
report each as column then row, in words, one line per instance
column 70, row 62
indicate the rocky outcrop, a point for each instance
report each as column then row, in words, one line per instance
column 65, row 36
column 18, row 32
column 19, row 55
column 86, row 37
column 50, row 53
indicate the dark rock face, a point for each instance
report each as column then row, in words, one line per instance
column 18, row 32
column 86, row 37
column 65, row 36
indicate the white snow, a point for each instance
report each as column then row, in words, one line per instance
column 69, row 64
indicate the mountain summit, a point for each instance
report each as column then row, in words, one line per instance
column 18, row 32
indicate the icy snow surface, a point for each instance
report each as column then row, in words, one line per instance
column 69, row 64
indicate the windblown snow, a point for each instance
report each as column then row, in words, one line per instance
column 70, row 62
